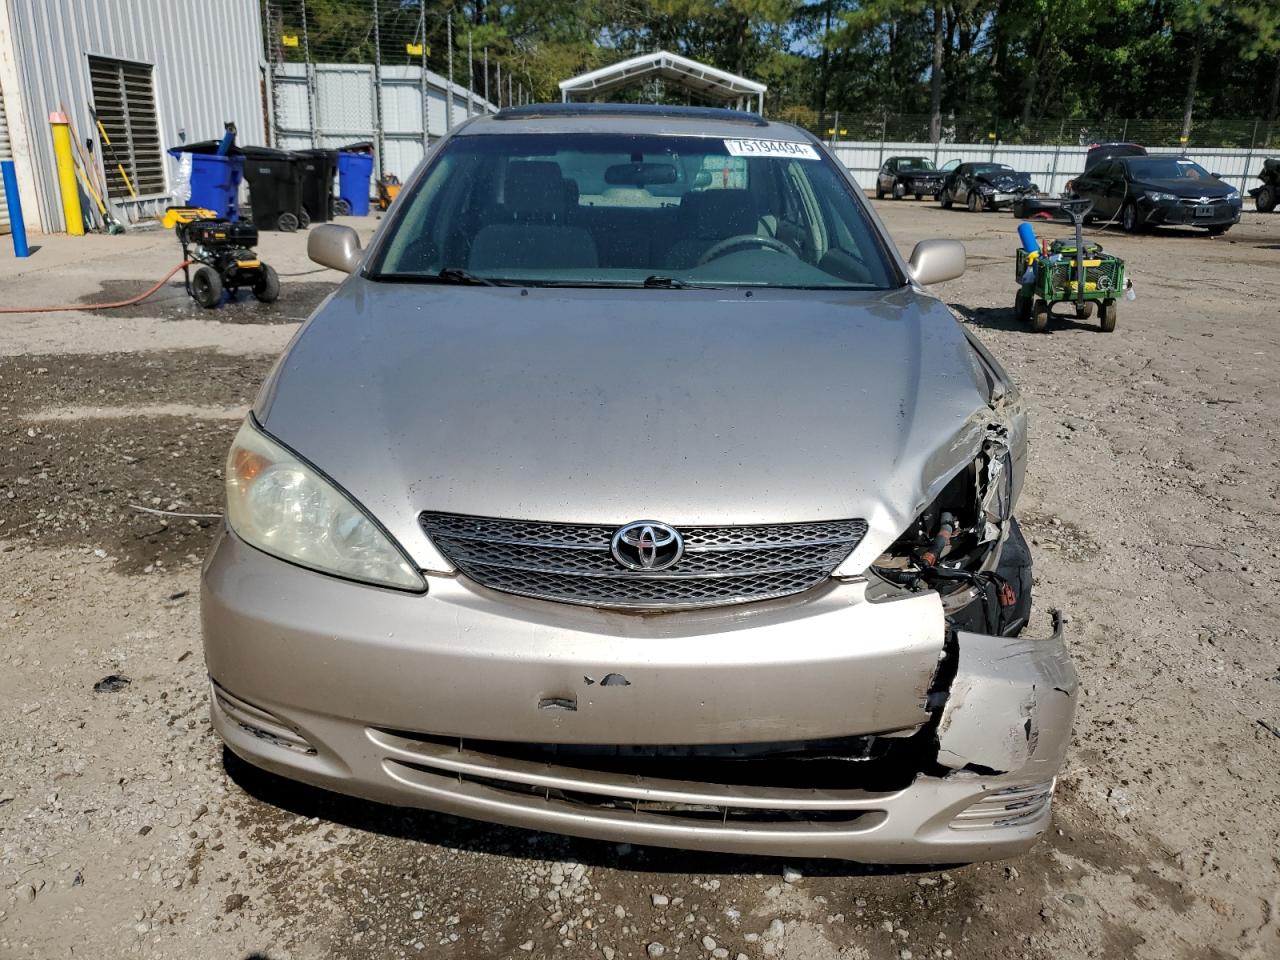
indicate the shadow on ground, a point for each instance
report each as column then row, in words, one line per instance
column 1002, row 318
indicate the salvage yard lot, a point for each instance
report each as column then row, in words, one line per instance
column 1151, row 506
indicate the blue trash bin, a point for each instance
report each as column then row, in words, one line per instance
column 215, row 182
column 354, row 173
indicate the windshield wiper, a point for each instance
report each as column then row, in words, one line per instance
column 667, row 283
column 458, row 275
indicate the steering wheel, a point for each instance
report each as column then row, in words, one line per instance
column 742, row 240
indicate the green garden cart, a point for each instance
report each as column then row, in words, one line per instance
column 1073, row 272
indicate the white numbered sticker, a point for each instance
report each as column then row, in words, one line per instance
column 771, row 148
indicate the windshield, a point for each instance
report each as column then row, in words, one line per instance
column 620, row 210
column 914, row 163
column 1167, row 168
column 992, row 168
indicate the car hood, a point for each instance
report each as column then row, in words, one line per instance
column 920, row 174
column 607, row 406
column 1186, row 188
column 1006, row 181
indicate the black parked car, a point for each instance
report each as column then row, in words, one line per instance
column 985, row 186
column 1154, row 190
column 900, row 176
column 1099, row 152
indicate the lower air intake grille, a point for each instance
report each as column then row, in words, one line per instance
column 573, row 563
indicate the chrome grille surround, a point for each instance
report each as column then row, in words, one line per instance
column 572, row 563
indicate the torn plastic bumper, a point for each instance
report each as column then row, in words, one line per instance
column 1010, row 706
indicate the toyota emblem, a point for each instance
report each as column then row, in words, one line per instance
column 647, row 545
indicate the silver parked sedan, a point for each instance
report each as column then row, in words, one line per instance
column 632, row 487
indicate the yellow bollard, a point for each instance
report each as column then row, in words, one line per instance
column 67, row 174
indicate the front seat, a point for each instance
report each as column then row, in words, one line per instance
column 532, row 233
column 709, row 216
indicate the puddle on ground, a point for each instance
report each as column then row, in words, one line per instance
column 297, row 299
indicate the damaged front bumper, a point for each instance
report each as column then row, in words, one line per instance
column 821, row 725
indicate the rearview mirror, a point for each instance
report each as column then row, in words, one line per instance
column 335, row 246
column 933, row 261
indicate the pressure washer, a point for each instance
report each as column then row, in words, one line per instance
column 223, row 252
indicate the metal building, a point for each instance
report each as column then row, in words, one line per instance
column 158, row 72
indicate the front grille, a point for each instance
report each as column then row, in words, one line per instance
column 833, row 784
column 573, row 563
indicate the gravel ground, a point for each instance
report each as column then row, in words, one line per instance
column 125, row 830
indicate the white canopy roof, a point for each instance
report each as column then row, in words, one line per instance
column 709, row 81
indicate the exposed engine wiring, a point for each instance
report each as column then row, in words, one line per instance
column 71, row 307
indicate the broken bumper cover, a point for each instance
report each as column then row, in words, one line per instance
column 407, row 700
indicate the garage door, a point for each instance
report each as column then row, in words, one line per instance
column 5, row 154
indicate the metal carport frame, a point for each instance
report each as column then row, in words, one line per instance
column 706, row 80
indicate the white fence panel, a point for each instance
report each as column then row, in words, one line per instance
column 1050, row 166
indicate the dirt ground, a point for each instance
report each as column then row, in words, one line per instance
column 1151, row 505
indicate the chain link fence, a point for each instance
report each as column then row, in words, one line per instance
column 390, row 73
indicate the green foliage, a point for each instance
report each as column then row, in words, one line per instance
column 1018, row 65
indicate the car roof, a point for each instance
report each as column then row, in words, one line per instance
column 634, row 118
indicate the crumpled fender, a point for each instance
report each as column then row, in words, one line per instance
column 1010, row 705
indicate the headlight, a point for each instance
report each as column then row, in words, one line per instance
column 284, row 507
column 1157, row 197
column 1233, row 196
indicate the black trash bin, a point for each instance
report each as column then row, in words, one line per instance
column 318, row 167
column 275, row 188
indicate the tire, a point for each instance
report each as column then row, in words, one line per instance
column 1129, row 218
column 287, row 222
column 1107, row 316
column 206, row 287
column 1084, row 310
column 945, row 199
column 879, row 190
column 341, row 208
column 1040, row 317
column 1265, row 201
column 267, row 286
column 919, row 197
column 975, row 202
column 1022, row 305
column 304, row 219
column 1220, row 230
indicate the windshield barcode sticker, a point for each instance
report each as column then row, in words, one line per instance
column 771, row 148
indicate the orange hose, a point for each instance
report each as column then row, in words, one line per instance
column 99, row 306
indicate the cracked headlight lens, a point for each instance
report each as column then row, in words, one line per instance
column 284, row 507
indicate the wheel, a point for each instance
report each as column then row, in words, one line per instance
column 341, row 208
column 919, row 197
column 1219, row 230
column 267, row 287
column 975, row 202
column 1107, row 316
column 945, row 199
column 287, row 222
column 1022, row 305
column 1040, row 317
column 1083, row 310
column 304, row 219
column 879, row 191
column 1129, row 217
column 1265, row 201
column 899, row 191
column 206, row 287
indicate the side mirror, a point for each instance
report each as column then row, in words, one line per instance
column 335, row 246
column 933, row 261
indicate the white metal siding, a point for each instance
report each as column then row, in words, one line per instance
column 5, row 154
column 207, row 60
column 344, row 109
